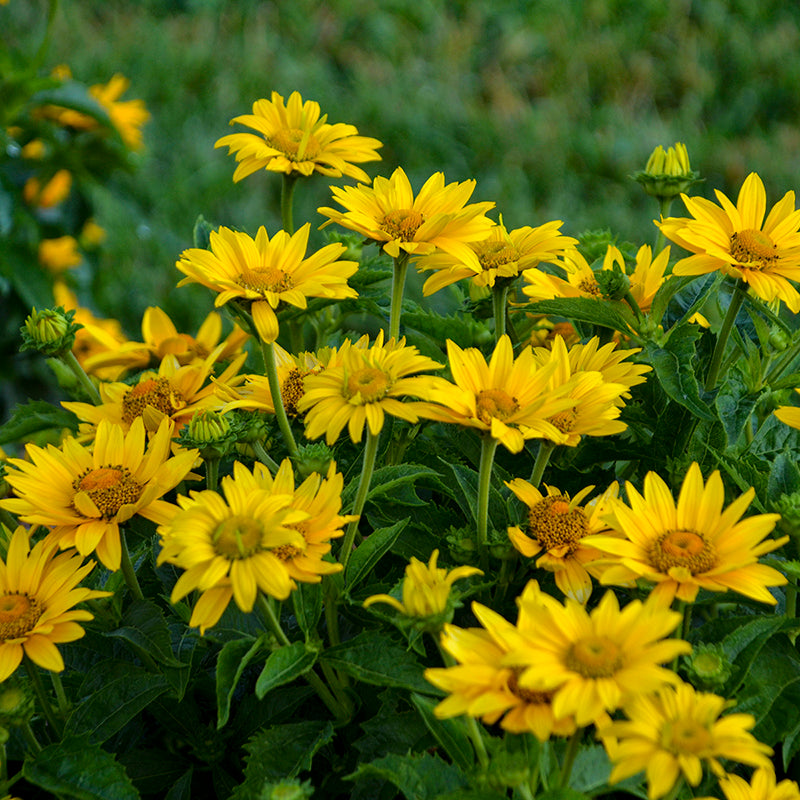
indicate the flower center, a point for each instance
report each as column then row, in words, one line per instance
column 18, row 615
column 156, row 392
column 286, row 552
column 683, row 549
column 295, row 144
column 564, row 420
column 237, row 537
column 495, row 403
column 594, row 657
column 265, row 279
column 686, row 737
column 528, row 695
column 402, row 224
column 590, row 286
column 367, row 385
column 753, row 249
column 493, row 255
column 110, row 488
column 554, row 525
column 292, row 389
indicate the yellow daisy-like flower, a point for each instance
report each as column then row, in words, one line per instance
column 388, row 213
column 481, row 684
column 544, row 332
column 127, row 116
column 293, row 137
column 266, row 272
column 363, row 386
column 502, row 254
column 426, row 588
column 693, row 544
column 763, row 786
column 226, row 545
column 38, row 594
column 555, row 533
column 55, row 191
column 648, row 275
column 789, row 415
column 676, row 731
column 594, row 660
column 57, row 255
column 84, row 495
column 739, row 242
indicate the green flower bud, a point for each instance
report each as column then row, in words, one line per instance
column 16, row 703
column 287, row 790
column 708, row 667
column 210, row 432
column 779, row 340
column 462, row 545
column 667, row 173
column 788, row 506
column 314, row 457
column 51, row 331
column 614, row 283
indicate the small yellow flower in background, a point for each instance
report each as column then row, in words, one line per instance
column 737, row 241
column 92, row 235
column 763, row 786
column 264, row 273
column 502, row 254
column 555, row 531
column 692, row 545
column 34, row 150
column 38, row 594
column 127, row 116
column 426, row 590
column 362, row 386
column 84, row 495
column 57, row 255
column 388, row 213
column 673, row 733
column 293, row 138
column 55, row 191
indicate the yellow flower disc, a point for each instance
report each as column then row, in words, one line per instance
column 267, row 279
column 156, row 392
column 554, row 525
column 594, row 657
column 402, row 224
column 753, row 249
column 18, row 615
column 237, row 537
column 295, row 144
column 495, row 403
column 687, row 737
column 367, row 385
column 110, row 488
column 683, row 549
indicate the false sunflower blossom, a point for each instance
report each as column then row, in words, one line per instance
column 502, row 254
column 293, row 138
column 481, row 684
column 57, row 255
column 737, row 241
column 84, row 495
column 38, row 594
column 388, row 213
column 263, row 273
column 555, row 532
column 363, row 386
column 673, row 733
column 763, row 786
column 691, row 545
column 226, row 544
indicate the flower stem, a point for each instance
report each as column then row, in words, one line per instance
column 367, row 467
column 30, row 738
column 661, row 240
column 499, row 302
column 264, row 457
column 128, row 572
column 488, row 448
column 212, row 473
column 287, row 200
column 737, row 298
column 546, row 448
column 41, row 696
column 63, row 704
column 791, row 600
column 268, row 351
column 84, row 380
column 569, row 757
column 398, row 283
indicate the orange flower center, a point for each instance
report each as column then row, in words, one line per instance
column 590, row 286
column 110, row 488
column 237, row 537
column 18, row 615
column 554, row 525
column 683, row 549
column 564, row 420
column 265, row 279
column 686, row 737
column 528, row 695
column 495, row 404
column 402, row 224
column 292, row 389
column 286, row 552
column 753, row 249
column 493, row 255
column 594, row 657
column 295, row 144
column 156, row 392
column 367, row 385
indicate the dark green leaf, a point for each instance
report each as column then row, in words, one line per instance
column 585, row 309
column 231, row 663
column 35, row 416
column 667, row 291
column 74, row 95
column 467, row 482
column 182, row 788
column 370, row 551
column 145, row 629
column 307, row 604
column 450, row 733
column 562, row 794
column 735, row 405
column 422, row 777
column 784, row 477
column 283, row 666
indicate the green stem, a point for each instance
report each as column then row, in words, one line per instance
column 84, row 380
column 499, row 304
column 488, row 448
column 367, row 467
column 128, row 572
column 477, row 742
column 268, row 351
column 546, row 448
column 331, row 604
column 41, row 696
column 781, row 363
column 631, row 301
column 30, row 737
column 337, row 687
column 569, row 757
column 525, row 791
column 63, row 704
column 41, row 52
column 287, row 201
column 791, row 600
column 665, row 204
column 675, row 790
column 212, row 473
column 8, row 520
column 264, row 457
column 724, row 333
column 398, row 283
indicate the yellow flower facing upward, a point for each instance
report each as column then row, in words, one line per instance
column 363, row 386
column 293, row 138
column 388, row 213
column 38, row 594
column 692, row 544
column 264, row 273
column 763, row 786
column 84, row 495
column 738, row 241
column 673, row 733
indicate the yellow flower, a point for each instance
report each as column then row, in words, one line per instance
column 675, row 731
column 739, row 242
column 594, row 660
column 388, row 213
column 555, row 532
column 38, row 594
column 127, row 116
column 545, row 331
column 84, row 495
column 500, row 255
column 426, row 588
column 55, row 191
column 693, row 544
column 226, row 545
column 292, row 137
column 362, row 386
column 59, row 254
column 789, row 415
column 266, row 272
column 762, row 786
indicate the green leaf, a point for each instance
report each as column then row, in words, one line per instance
column 373, row 657
column 735, row 405
column 145, row 629
column 463, row 329
column 389, row 480
column 307, row 604
column 467, row 482
column 784, row 477
column 585, row 309
column 370, row 551
column 283, row 666
column 231, row 663
column 562, row 794
column 591, row 769
column 79, row 769
column 74, row 95
column 35, row 416
column 182, row 788
column 667, row 291
column 450, row 733
column 424, row 777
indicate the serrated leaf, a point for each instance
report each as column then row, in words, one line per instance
column 467, row 483
column 182, row 788
column 422, row 777
column 283, row 666
column 145, row 629
column 585, row 309
column 35, row 416
column 784, row 477
column 370, row 551
column 667, row 291
column 462, row 329
column 735, row 404
column 307, row 604
column 231, row 663
column 450, row 733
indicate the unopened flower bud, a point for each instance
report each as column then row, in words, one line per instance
column 314, row 457
column 210, row 432
column 667, row 173
column 16, row 703
column 51, row 331
column 708, row 667
column 290, row 789
column 614, row 283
